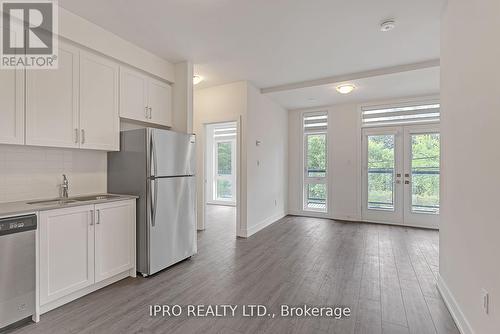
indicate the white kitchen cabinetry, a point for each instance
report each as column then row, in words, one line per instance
column 52, row 102
column 84, row 248
column 66, row 251
column 133, row 95
column 145, row 99
column 114, row 239
column 99, row 119
column 160, row 102
column 11, row 107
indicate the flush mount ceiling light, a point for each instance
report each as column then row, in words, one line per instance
column 345, row 88
column 197, row 79
column 387, row 25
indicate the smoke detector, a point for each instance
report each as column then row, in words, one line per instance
column 387, row 25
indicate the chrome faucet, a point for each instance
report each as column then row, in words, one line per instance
column 65, row 186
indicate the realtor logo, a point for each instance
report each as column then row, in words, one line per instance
column 29, row 34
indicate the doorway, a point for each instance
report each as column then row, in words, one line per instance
column 221, row 188
column 401, row 170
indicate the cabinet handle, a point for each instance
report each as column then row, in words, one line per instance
column 150, row 113
column 98, row 217
column 91, row 217
column 146, row 114
column 83, row 136
column 76, row 136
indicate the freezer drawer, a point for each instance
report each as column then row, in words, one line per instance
column 172, row 232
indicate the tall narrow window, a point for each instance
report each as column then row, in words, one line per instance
column 315, row 162
column 224, row 141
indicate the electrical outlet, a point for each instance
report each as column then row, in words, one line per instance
column 486, row 300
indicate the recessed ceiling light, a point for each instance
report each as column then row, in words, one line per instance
column 345, row 88
column 387, row 25
column 197, row 79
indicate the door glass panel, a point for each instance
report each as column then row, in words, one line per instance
column 224, row 190
column 224, row 158
column 425, row 173
column 316, row 197
column 316, row 155
column 381, row 166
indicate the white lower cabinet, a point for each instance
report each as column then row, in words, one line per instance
column 84, row 248
column 66, row 251
column 114, row 239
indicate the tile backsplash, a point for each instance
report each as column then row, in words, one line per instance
column 35, row 173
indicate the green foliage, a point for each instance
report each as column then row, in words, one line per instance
column 316, row 155
column 224, row 158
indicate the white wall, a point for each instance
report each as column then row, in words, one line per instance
column 92, row 36
column 267, row 164
column 216, row 105
column 470, row 123
column 343, row 159
column 33, row 173
column 262, row 195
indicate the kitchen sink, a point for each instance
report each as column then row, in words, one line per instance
column 60, row 201
column 94, row 198
column 53, row 202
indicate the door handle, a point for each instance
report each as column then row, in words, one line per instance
column 91, row 217
column 98, row 217
column 154, row 197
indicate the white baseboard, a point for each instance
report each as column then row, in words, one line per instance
column 263, row 224
column 455, row 311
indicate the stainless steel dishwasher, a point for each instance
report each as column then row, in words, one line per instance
column 17, row 268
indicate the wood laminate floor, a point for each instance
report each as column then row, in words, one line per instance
column 385, row 274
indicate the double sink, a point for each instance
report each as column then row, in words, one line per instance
column 63, row 201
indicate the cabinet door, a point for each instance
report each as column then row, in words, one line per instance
column 99, row 119
column 114, row 238
column 66, row 251
column 133, row 95
column 160, row 102
column 11, row 107
column 52, row 102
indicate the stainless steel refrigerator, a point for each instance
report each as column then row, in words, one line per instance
column 159, row 167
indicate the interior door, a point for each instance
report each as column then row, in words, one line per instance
column 382, row 175
column 172, row 221
column 421, row 175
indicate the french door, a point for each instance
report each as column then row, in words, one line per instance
column 401, row 167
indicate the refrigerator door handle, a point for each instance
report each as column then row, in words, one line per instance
column 154, row 197
column 152, row 155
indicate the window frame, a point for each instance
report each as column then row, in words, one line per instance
column 309, row 180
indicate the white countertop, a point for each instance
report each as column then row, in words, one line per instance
column 22, row 207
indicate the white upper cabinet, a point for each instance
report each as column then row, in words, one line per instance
column 160, row 102
column 11, row 107
column 52, row 102
column 99, row 119
column 133, row 95
column 145, row 99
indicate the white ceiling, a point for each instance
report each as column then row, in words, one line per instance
column 406, row 84
column 273, row 42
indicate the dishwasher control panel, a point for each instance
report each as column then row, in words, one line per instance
column 17, row 224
